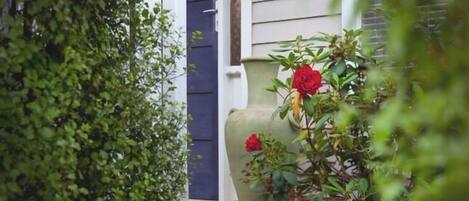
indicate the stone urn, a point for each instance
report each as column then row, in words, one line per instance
column 257, row 117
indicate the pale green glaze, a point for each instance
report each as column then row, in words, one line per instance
column 257, row 117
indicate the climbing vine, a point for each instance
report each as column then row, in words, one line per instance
column 85, row 107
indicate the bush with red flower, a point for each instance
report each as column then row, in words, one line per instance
column 329, row 100
column 271, row 167
column 253, row 143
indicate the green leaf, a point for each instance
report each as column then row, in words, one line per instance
column 322, row 55
column 339, row 67
column 320, row 51
column 145, row 13
column 334, row 182
column 284, row 110
column 279, row 83
column 290, row 178
column 310, row 52
column 349, row 187
column 277, row 179
column 335, row 80
column 363, row 185
column 46, row 132
column 330, row 188
column 272, row 89
column 320, row 123
column 302, row 136
column 350, row 77
column 308, row 105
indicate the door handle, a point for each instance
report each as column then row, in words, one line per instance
column 210, row 11
column 214, row 12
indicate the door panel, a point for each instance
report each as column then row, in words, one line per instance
column 203, row 185
column 202, row 100
column 203, row 127
column 202, row 79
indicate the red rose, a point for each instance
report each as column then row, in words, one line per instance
column 306, row 80
column 253, row 143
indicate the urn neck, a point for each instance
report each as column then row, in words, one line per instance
column 259, row 73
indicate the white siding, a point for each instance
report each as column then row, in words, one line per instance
column 282, row 20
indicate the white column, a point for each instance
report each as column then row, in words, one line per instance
column 351, row 19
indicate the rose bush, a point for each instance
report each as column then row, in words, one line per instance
column 271, row 168
column 253, row 143
column 331, row 109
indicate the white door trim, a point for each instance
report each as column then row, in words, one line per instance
column 223, row 36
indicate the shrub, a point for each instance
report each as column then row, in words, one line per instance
column 331, row 107
column 422, row 134
column 85, row 108
column 272, row 167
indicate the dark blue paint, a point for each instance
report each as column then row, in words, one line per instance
column 202, row 101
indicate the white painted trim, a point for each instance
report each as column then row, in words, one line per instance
column 350, row 19
column 246, row 28
column 223, row 15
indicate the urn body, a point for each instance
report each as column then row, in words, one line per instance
column 256, row 117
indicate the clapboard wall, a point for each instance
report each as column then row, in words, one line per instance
column 282, row 20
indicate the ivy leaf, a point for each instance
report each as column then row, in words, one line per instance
column 46, row 132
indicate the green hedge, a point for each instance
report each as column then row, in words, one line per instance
column 85, row 112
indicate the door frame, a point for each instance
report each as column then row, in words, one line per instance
column 221, row 19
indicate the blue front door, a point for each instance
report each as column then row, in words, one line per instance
column 202, row 100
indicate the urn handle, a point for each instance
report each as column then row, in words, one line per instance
column 232, row 111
